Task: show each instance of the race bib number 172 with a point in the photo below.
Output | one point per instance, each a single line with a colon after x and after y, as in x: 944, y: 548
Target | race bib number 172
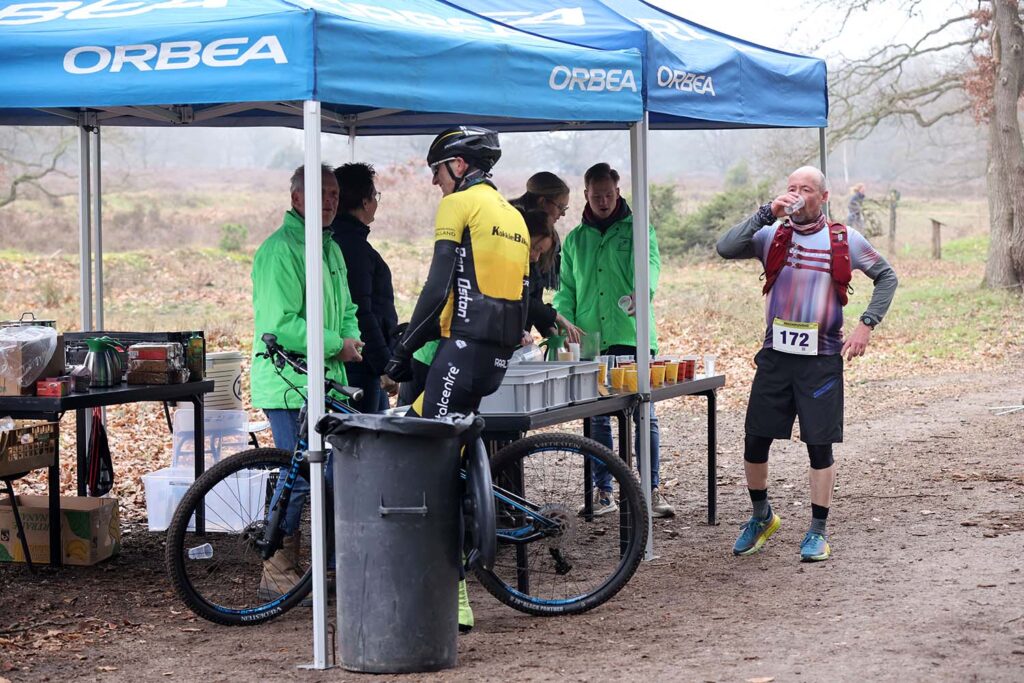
x: 797, y: 338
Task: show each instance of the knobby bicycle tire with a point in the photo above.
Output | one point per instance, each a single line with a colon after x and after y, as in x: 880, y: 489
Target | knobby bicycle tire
x: 581, y: 566
x: 234, y: 566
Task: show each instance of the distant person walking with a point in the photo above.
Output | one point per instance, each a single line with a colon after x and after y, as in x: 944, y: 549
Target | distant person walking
x: 855, y: 209
x: 808, y: 262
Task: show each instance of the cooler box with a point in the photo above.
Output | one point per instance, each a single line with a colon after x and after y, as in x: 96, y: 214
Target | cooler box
x: 231, y: 506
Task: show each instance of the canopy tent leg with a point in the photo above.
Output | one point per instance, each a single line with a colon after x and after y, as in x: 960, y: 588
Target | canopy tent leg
x: 315, y: 385
x: 84, y: 230
x: 823, y: 160
x: 97, y: 227
x: 638, y: 136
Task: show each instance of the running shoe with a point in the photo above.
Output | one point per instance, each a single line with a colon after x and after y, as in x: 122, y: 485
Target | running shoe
x: 754, y: 533
x: 604, y: 503
x: 815, y: 548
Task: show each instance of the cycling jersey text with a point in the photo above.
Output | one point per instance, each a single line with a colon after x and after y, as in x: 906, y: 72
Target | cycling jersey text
x: 514, y: 236
x: 447, y: 384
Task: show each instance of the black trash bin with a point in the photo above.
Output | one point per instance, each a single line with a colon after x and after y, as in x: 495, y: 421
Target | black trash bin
x: 397, y: 502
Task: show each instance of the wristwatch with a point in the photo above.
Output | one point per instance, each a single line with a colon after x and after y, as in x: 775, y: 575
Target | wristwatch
x: 868, y: 320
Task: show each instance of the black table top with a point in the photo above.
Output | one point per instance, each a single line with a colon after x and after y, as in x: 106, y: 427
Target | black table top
x: 28, y: 406
x: 615, y: 402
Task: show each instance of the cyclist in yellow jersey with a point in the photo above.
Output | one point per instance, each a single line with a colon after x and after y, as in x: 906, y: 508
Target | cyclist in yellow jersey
x: 474, y: 298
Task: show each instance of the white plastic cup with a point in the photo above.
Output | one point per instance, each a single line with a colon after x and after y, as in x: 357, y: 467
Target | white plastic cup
x: 574, y: 349
x: 709, y: 364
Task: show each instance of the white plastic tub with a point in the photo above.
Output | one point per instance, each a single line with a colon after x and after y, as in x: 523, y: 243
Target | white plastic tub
x: 230, y: 506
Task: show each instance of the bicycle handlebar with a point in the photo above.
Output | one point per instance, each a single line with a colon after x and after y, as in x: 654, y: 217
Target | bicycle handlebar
x: 280, y: 357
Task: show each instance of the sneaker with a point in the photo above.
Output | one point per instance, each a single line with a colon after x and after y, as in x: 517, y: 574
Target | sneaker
x: 815, y: 548
x: 659, y: 506
x: 754, y: 533
x: 604, y: 503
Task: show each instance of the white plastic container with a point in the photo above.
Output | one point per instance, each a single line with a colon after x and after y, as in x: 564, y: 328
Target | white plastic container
x: 225, y: 369
x: 232, y: 505
x: 521, y: 391
x: 556, y: 387
x: 225, y: 432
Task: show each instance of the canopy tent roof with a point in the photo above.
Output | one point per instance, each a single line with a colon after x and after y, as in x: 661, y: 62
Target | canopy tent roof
x: 694, y: 77
x: 393, y: 66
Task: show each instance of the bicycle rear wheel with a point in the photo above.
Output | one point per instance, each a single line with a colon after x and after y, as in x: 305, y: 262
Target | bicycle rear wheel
x: 554, y: 557
x: 218, y: 573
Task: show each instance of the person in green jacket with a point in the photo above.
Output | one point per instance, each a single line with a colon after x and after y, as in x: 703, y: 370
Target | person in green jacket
x: 279, y: 307
x: 597, y: 294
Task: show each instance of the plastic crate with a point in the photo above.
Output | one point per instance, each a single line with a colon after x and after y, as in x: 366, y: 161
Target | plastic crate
x: 31, y: 445
x: 521, y: 391
x: 231, y: 506
x: 225, y: 432
x: 557, y: 392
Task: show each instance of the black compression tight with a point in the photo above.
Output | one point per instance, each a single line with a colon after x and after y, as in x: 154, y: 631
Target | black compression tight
x: 755, y: 450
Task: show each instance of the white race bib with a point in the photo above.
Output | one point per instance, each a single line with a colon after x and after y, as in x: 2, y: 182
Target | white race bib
x: 797, y: 338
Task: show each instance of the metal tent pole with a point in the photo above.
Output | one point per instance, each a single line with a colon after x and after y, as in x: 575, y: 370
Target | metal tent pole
x: 315, y: 364
x: 823, y: 160
x: 84, y: 231
x: 97, y: 225
x: 638, y: 136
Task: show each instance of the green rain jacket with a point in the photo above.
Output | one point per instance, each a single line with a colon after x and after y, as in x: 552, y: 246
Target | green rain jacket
x: 596, y: 270
x: 279, y: 307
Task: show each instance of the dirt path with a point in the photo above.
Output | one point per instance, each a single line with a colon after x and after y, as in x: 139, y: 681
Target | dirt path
x: 926, y: 581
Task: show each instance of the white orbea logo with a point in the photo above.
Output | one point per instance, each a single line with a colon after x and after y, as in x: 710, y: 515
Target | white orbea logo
x: 591, y: 80
x: 180, y: 54
x: 685, y: 81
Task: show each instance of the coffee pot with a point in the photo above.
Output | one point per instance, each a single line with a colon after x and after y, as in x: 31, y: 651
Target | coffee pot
x: 103, y: 360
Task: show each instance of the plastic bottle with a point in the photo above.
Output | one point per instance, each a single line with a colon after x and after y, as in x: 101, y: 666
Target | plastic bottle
x: 201, y: 552
x: 194, y: 354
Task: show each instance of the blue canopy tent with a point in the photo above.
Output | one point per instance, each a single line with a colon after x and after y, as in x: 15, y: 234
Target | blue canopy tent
x: 694, y: 78
x: 395, y: 66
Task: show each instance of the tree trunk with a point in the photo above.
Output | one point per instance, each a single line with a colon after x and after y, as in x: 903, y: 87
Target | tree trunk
x: 1005, y: 267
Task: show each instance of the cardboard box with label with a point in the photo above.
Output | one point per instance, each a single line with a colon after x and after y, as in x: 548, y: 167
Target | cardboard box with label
x: 90, y: 529
x: 9, y: 385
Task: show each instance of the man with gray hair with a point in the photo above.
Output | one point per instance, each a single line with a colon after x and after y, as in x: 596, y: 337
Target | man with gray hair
x: 279, y: 307
x: 808, y: 263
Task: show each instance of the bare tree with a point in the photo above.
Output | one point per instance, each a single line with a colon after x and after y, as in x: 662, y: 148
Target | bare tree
x: 970, y: 61
x: 26, y: 158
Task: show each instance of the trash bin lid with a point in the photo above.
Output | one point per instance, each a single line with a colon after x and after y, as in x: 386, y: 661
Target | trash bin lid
x: 441, y: 428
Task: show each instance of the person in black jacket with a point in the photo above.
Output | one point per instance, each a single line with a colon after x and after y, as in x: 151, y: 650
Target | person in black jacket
x: 369, y: 282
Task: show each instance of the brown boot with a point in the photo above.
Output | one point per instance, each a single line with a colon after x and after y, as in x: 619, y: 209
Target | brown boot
x: 282, y: 571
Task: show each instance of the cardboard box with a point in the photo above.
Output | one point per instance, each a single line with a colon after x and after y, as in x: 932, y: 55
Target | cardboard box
x: 9, y: 386
x: 90, y: 529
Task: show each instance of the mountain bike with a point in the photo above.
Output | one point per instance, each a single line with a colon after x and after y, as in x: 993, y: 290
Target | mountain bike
x: 551, y: 554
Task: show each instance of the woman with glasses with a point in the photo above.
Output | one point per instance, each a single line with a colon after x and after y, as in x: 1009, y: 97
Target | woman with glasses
x: 548, y: 194
x: 369, y: 283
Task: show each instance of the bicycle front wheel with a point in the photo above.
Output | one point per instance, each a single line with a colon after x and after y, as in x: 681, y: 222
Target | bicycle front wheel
x: 555, y: 555
x: 219, y: 573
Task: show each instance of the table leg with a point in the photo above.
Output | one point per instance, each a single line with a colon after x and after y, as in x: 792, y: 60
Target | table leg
x: 53, y: 486
x: 522, y: 558
x: 712, y: 457
x: 200, y: 457
x: 625, y: 419
x: 82, y: 447
x: 588, y: 479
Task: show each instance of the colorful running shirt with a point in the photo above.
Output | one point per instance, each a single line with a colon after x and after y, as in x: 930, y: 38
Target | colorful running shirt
x: 492, y: 265
x: 807, y: 296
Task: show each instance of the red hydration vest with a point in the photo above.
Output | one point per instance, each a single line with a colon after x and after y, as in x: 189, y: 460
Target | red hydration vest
x: 838, y: 260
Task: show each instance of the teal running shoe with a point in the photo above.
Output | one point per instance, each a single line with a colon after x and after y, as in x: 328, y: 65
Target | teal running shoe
x: 815, y: 548
x: 754, y: 533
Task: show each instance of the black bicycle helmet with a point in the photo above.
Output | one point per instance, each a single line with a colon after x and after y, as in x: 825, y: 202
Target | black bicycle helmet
x: 478, y: 146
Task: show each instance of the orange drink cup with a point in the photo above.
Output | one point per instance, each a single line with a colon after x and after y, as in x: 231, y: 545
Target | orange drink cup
x: 602, y: 374
x: 657, y: 375
x: 617, y: 377
x: 671, y: 371
x: 630, y: 379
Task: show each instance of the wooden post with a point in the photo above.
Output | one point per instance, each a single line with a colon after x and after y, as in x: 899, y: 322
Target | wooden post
x: 936, y: 240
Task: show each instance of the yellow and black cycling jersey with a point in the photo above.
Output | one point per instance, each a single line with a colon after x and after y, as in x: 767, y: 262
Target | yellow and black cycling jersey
x: 476, y: 286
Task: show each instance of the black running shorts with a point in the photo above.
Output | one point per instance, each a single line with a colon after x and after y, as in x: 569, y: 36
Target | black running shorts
x: 786, y: 386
